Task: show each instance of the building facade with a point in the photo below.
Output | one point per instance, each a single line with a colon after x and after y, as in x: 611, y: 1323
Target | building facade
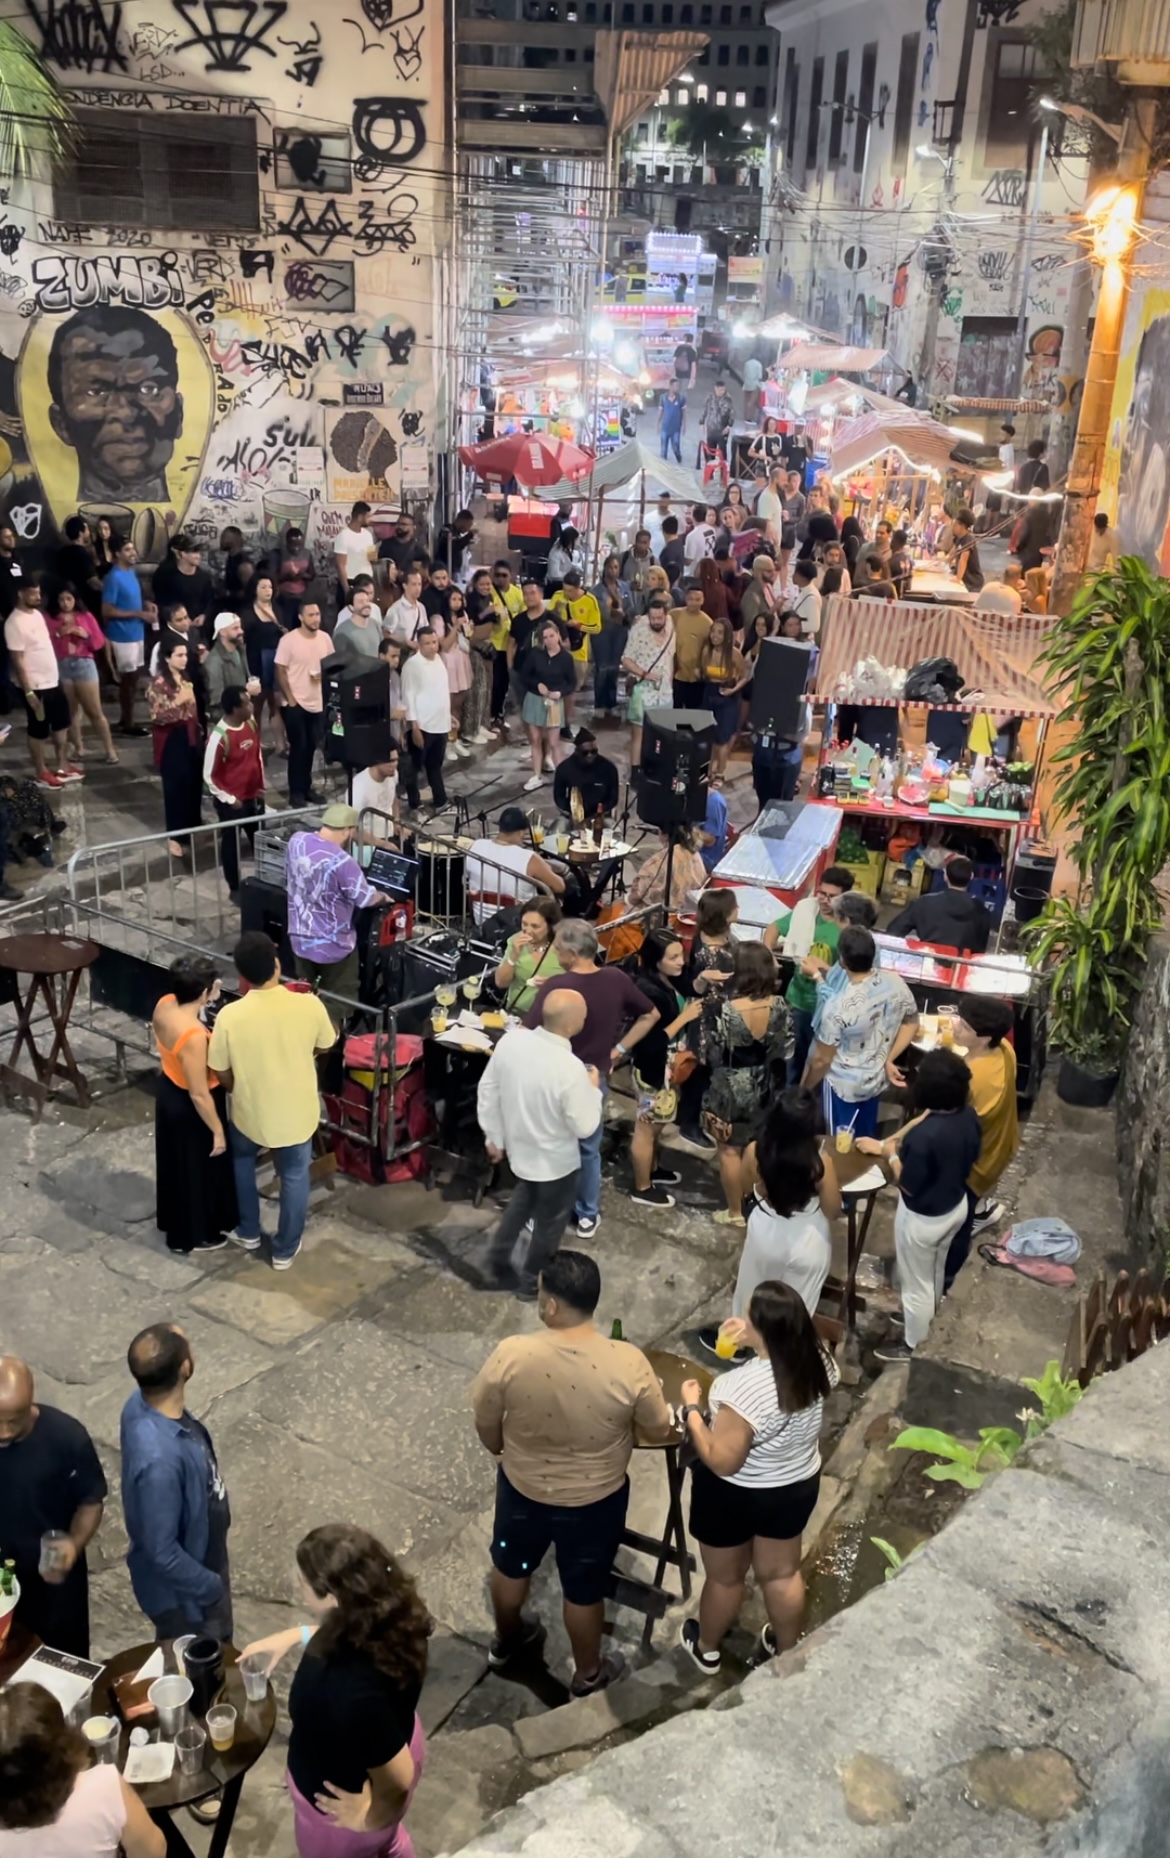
x: 222, y: 308
x: 914, y: 201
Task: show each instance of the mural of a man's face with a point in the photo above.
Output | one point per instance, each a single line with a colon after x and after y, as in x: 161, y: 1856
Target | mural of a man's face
x: 114, y: 382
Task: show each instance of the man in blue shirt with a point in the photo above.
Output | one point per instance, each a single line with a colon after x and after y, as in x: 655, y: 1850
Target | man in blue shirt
x: 173, y: 1497
x: 713, y: 832
x: 671, y: 413
x: 125, y: 615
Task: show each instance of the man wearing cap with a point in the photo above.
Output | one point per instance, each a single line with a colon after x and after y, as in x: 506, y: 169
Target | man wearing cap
x: 325, y: 887
x: 226, y: 664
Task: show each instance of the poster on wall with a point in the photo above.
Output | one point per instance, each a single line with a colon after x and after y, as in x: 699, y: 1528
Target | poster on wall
x: 1136, y: 477
x: 116, y: 404
x: 360, y: 455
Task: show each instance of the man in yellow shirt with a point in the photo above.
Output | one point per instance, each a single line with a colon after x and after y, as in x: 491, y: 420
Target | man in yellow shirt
x: 983, y: 1027
x: 507, y: 602
x: 577, y: 607
x: 264, y: 1049
x: 691, y: 626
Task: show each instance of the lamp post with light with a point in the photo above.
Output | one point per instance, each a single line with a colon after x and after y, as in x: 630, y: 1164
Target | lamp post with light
x: 1111, y: 217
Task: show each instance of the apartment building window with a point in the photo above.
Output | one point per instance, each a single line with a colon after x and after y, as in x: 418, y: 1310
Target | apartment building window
x: 741, y: 99
x: 1012, y: 73
x: 837, y: 113
x: 742, y: 54
x: 705, y: 55
x: 627, y: 16
x: 762, y: 54
x: 720, y: 99
x: 816, y: 97
x: 725, y: 16
x: 702, y: 93
x: 723, y: 55
x: 682, y: 98
x: 704, y: 16
x: 789, y: 92
x: 759, y: 98
x: 668, y: 16
x: 642, y: 134
x: 647, y: 15
x: 904, y: 103
x: 864, y: 103
x: 166, y: 174
x: 685, y: 15
x: 987, y: 357
x: 745, y: 15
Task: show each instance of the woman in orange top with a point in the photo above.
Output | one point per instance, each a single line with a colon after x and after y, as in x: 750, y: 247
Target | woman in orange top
x: 194, y: 1184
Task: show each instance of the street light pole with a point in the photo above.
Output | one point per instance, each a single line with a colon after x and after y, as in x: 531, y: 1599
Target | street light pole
x: 1112, y: 250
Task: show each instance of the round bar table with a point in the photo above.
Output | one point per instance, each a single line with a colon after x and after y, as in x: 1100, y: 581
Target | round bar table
x: 54, y: 965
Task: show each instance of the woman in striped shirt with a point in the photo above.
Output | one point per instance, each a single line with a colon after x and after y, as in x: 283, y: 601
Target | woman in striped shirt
x: 758, y: 1474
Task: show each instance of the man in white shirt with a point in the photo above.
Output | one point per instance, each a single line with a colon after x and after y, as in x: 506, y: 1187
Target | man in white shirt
x: 701, y: 540
x: 806, y: 597
x: 537, y: 1102
x: 426, y: 694
x: 654, y: 522
x: 33, y: 666
x: 354, y: 550
x: 405, y: 620
x: 1007, y: 451
x: 770, y: 504
x: 377, y: 787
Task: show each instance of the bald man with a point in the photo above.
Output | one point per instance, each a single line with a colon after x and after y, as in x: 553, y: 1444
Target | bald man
x: 537, y: 1102
x: 173, y: 1497
x: 51, y: 1480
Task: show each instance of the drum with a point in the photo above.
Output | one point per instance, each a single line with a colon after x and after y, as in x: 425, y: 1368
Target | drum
x: 442, y: 878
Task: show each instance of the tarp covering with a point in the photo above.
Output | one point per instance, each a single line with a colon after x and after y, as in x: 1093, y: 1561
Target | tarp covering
x: 922, y: 442
x: 997, y: 655
x: 631, y: 69
x: 623, y: 465
x: 846, y: 360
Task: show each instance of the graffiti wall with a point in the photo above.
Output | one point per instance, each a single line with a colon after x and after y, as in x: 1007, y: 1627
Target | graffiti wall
x: 203, y: 376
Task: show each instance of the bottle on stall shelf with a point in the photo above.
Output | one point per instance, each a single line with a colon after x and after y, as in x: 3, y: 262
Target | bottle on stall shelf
x: 615, y: 1334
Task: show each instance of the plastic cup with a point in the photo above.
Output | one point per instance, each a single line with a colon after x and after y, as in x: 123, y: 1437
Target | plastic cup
x: 103, y: 1734
x: 180, y: 1651
x: 843, y: 1141
x: 221, y: 1727
x: 190, y: 1747
x: 52, y: 1552
x: 170, y: 1697
x: 726, y: 1347
x: 254, y: 1672
x: 439, y: 1021
x: 562, y: 843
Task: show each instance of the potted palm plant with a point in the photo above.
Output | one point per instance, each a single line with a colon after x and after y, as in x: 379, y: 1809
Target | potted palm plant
x: 9, y: 1595
x: 1109, y: 662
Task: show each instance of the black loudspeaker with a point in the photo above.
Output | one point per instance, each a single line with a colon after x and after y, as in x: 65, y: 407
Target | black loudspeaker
x: 676, y: 760
x: 357, y: 712
x: 778, y: 686
x: 264, y: 907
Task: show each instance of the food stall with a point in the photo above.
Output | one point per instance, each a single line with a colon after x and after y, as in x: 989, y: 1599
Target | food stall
x: 610, y: 505
x: 889, y: 461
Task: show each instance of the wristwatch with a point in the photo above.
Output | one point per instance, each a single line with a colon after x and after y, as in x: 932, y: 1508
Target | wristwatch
x: 684, y: 1413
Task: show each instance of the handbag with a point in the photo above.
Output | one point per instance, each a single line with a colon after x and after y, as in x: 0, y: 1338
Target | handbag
x: 681, y: 1064
x: 554, y: 713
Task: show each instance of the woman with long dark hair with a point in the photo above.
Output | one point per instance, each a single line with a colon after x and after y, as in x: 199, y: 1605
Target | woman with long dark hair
x: 758, y: 1475
x: 263, y: 630
x: 725, y: 676
x: 794, y: 1198
x: 195, y: 1186
x: 658, y: 973
x: 177, y: 741
x: 356, y: 1748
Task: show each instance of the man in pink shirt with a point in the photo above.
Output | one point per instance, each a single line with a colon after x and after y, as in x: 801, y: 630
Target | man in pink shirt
x: 299, y: 657
x: 34, y: 669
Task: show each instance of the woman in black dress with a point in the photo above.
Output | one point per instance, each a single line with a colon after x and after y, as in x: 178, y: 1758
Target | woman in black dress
x: 356, y: 1748
x: 263, y: 631
x: 195, y: 1188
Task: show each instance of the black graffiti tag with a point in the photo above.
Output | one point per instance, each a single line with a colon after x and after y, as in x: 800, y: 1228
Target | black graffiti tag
x: 331, y: 284
x: 411, y: 425
x: 77, y: 35
x: 399, y: 346
x: 229, y: 30
x: 407, y: 55
x: 315, y: 232
x: 252, y: 263
x: 306, y: 65
x: 374, y: 235
x: 388, y: 132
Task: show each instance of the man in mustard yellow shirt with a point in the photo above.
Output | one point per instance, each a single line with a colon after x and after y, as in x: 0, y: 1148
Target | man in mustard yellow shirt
x: 577, y: 607
x: 691, y: 626
x: 264, y: 1049
x: 983, y: 1027
x: 507, y: 602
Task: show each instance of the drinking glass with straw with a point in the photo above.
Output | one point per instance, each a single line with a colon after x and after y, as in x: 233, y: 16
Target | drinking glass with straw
x: 843, y: 1139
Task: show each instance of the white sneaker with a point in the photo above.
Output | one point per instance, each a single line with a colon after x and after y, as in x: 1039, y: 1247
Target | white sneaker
x: 460, y: 751
x: 533, y: 782
x: 550, y: 767
x: 482, y: 736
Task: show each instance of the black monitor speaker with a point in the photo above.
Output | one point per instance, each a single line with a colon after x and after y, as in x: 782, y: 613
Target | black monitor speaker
x: 357, y: 712
x: 778, y: 686
x: 676, y: 761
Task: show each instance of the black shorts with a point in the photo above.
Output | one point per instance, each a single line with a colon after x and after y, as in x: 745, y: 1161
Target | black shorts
x: 55, y: 718
x: 726, y: 1515
x: 586, y: 1539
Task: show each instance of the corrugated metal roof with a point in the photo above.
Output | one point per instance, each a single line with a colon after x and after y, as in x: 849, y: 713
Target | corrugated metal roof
x: 631, y: 69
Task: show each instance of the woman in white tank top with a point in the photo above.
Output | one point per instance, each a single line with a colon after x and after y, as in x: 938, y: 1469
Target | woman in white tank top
x: 54, y: 1805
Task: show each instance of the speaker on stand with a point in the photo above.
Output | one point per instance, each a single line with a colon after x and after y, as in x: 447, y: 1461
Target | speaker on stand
x: 674, y: 774
x: 778, y: 687
x: 357, y: 712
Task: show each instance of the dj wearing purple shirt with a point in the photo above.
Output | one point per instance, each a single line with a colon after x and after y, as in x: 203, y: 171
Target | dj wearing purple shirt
x: 325, y: 887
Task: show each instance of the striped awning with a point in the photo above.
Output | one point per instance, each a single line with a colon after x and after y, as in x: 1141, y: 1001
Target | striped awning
x: 963, y: 403
x: 997, y: 655
x: 921, y: 441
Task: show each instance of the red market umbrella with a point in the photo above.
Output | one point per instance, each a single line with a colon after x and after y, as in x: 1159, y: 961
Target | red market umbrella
x: 532, y: 458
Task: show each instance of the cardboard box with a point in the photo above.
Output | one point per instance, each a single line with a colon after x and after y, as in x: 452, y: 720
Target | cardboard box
x: 902, y: 883
x: 866, y: 877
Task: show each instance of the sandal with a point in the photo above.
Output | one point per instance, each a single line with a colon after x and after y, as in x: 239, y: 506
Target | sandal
x: 113, y: 761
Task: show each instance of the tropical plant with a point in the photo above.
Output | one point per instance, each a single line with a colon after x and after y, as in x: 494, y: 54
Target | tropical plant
x: 894, y: 1556
x: 998, y: 1447
x: 35, y: 116
x: 1109, y: 661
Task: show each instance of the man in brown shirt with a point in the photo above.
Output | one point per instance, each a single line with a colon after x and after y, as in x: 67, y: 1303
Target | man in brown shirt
x: 691, y: 626
x: 561, y: 1411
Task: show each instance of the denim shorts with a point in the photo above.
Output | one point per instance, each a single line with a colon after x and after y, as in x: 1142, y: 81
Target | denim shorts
x: 586, y: 1537
x: 77, y: 671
